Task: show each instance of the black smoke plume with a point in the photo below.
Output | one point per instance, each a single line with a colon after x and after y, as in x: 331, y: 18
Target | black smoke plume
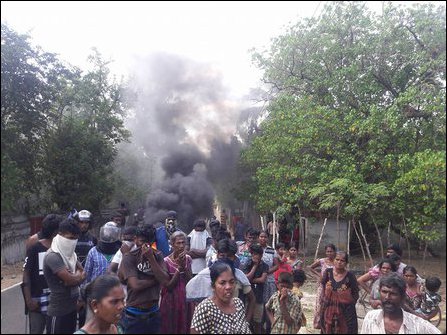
x: 183, y: 117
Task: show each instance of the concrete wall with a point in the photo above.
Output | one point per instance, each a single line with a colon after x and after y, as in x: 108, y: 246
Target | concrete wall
x: 15, y: 230
x: 330, y: 235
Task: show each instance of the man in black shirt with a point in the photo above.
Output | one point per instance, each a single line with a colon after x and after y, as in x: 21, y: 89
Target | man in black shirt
x: 35, y: 287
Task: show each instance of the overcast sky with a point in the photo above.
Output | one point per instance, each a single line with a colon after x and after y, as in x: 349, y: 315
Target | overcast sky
x: 220, y: 33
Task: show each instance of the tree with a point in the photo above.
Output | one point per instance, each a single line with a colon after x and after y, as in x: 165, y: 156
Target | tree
x: 29, y: 86
x: 81, y: 149
x: 353, y: 93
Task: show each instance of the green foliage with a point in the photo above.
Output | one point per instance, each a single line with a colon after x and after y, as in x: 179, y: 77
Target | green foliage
x: 421, y: 193
x: 354, y: 94
x: 28, y: 89
x: 60, y: 128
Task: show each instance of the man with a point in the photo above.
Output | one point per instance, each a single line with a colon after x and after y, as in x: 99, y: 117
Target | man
x: 86, y: 240
x: 35, y: 287
x: 171, y: 223
x: 100, y: 256
x: 124, y: 212
x: 64, y: 274
x: 392, y: 319
x: 197, y: 245
x: 143, y: 271
x: 128, y: 239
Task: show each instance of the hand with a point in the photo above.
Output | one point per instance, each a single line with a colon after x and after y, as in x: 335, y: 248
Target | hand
x: 125, y: 248
x: 81, y: 274
x: 181, y: 261
x: 283, y: 294
x: 33, y: 306
x: 375, y: 304
x: 147, y: 251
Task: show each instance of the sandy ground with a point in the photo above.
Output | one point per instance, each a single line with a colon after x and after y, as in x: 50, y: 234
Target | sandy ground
x: 12, y: 274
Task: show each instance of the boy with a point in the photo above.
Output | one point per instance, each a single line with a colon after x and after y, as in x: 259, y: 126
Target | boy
x: 256, y: 271
x: 284, y: 308
x: 430, y: 299
x: 299, y: 277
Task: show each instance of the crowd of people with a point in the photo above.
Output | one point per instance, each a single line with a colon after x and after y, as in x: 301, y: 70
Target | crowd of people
x: 150, y: 279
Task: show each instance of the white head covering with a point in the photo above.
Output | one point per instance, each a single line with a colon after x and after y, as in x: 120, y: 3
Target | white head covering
x: 66, y: 248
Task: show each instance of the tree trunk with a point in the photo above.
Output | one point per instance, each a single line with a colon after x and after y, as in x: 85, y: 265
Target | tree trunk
x: 378, y: 234
x: 360, y: 242
x: 408, y: 240
x: 338, y: 225
x: 349, y: 236
x: 319, y: 240
x: 423, y: 257
x: 366, y: 244
x: 388, y: 234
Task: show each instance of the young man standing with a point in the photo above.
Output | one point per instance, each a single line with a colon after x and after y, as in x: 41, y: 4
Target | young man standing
x: 63, y: 274
x: 143, y: 271
x: 35, y: 287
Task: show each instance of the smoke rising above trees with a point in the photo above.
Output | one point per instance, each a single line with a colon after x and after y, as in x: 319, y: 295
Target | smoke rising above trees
x: 184, y: 117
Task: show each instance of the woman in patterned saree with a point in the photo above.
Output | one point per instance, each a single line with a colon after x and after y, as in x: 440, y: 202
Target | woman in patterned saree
x: 338, y: 299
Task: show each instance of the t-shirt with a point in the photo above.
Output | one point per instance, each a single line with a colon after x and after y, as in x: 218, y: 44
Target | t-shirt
x: 85, y: 242
x: 63, y: 298
x: 131, y: 266
x: 38, y: 285
x: 258, y: 289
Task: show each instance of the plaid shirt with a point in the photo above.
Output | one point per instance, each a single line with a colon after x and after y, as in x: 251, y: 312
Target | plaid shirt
x: 95, y: 265
x: 279, y: 326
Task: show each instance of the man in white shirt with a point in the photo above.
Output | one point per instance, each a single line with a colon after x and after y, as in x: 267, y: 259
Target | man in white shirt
x: 197, y: 245
x: 392, y: 319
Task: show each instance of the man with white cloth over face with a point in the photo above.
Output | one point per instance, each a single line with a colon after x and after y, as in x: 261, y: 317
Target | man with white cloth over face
x: 199, y: 240
x: 64, y: 274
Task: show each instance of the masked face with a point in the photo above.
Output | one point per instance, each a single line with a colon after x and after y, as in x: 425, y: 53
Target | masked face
x: 170, y: 225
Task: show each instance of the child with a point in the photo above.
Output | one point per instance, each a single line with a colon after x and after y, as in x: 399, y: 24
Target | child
x: 284, y: 308
x: 430, y: 299
x: 256, y: 272
x: 299, y: 277
x: 283, y: 265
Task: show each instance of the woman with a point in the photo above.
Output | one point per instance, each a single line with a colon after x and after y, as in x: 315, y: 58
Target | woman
x: 104, y: 298
x: 323, y: 263
x: 220, y: 314
x: 175, y: 312
x: 413, y: 291
x: 292, y: 259
x: 338, y: 299
x: 385, y: 267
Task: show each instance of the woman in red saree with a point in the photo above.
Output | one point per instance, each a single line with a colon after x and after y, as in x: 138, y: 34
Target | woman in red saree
x: 340, y: 294
x: 175, y: 311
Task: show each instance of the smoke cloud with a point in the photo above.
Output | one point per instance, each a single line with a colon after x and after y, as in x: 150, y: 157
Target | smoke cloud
x: 184, y: 117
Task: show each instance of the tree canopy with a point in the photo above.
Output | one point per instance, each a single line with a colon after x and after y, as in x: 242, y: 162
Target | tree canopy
x: 357, y: 117
x: 60, y: 127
